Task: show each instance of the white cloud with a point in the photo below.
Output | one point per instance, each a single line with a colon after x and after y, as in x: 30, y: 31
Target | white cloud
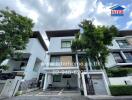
x: 102, y: 15
x: 128, y: 25
x: 61, y: 14
x: 130, y: 14
x: 77, y: 8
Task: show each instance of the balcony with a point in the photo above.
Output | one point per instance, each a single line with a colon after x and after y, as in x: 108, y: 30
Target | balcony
x: 21, y: 69
x: 126, y: 46
x: 62, y: 64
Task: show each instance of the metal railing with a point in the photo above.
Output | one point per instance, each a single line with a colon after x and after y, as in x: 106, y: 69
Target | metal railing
x: 62, y: 64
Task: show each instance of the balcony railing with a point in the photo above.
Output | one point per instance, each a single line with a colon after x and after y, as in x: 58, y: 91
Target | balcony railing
x: 19, y: 68
x: 62, y: 64
x: 125, y: 46
x: 128, y: 60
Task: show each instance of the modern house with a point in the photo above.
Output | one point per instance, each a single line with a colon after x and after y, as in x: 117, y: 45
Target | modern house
x: 64, y: 69
x: 59, y: 68
x: 27, y: 63
x: 121, y: 50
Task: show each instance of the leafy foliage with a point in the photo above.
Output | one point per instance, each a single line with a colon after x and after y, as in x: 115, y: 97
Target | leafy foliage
x: 5, y: 67
x: 15, y: 31
x: 94, y: 40
x: 116, y: 72
x: 120, y: 90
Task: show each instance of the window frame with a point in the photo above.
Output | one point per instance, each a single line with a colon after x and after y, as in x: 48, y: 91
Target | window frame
x: 118, y: 56
x: 123, y: 41
x: 66, y: 44
x: 57, y: 76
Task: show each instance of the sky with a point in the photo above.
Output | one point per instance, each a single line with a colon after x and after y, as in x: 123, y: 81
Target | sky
x: 67, y: 14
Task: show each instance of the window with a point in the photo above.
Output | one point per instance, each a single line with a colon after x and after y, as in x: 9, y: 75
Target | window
x: 128, y: 56
x: 66, y: 44
x: 118, y: 57
x: 122, y: 43
x: 57, y: 78
x: 55, y: 61
x: 36, y: 65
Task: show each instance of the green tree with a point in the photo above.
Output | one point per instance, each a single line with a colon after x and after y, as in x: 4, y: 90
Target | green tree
x: 15, y: 31
x: 94, y: 41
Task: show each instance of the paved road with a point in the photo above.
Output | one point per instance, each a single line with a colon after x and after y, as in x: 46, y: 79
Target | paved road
x: 48, y: 98
x: 62, y: 95
x: 67, y: 98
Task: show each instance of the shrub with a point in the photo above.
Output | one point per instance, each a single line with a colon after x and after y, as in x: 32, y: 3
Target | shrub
x: 118, y: 90
x: 5, y: 67
x: 118, y: 72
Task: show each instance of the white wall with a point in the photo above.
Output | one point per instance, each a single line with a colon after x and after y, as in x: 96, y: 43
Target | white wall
x: 120, y: 80
x: 55, y: 44
x: 110, y: 61
x: 36, y: 51
x: 73, y: 81
x: 114, y: 44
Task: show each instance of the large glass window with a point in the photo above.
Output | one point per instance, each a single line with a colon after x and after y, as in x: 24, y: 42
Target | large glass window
x: 55, y: 58
x: 57, y: 78
x: 55, y: 61
x: 122, y: 43
x: 118, y: 57
x: 128, y: 56
x: 66, y: 44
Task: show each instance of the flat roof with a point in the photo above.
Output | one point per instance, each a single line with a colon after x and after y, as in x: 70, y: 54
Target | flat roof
x: 61, y: 33
x: 36, y: 34
x: 125, y: 33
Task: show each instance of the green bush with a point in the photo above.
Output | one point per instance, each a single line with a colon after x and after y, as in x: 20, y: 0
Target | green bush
x: 5, y: 67
x: 118, y: 90
x: 117, y: 72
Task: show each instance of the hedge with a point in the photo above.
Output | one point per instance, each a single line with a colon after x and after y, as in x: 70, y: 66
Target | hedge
x: 118, y: 90
x: 117, y: 72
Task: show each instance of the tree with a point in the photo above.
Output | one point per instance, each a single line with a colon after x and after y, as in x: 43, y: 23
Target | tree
x: 94, y: 41
x: 15, y: 31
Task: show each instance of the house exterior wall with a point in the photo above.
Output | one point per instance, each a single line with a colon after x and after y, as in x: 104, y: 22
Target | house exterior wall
x: 72, y: 81
x: 55, y: 44
x: 36, y: 51
x: 120, y: 80
x: 114, y: 44
x: 116, y: 48
x: 110, y: 61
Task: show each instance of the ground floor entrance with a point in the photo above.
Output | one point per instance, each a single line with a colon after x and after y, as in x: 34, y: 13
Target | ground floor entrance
x: 64, y: 82
x: 95, y: 83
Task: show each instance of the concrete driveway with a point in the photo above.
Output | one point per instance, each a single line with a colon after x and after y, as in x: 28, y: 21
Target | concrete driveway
x: 67, y: 98
x: 63, y: 95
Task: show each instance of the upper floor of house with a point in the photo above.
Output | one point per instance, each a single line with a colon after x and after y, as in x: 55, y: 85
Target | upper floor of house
x: 30, y: 59
x: 60, y: 40
x: 123, y: 41
x: 121, y: 50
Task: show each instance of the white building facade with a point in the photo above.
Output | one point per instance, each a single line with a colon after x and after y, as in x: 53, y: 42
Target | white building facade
x: 27, y: 63
x: 63, y: 69
x: 121, y: 50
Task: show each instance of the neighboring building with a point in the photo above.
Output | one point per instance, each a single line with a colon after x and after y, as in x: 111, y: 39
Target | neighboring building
x: 30, y: 61
x: 24, y: 67
x: 121, y: 50
x: 65, y: 71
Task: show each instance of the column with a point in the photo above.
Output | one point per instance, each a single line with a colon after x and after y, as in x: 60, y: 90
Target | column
x: 79, y: 80
x: 45, y: 82
x: 90, y: 65
x: 124, y: 57
x: 77, y: 62
x: 29, y: 68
